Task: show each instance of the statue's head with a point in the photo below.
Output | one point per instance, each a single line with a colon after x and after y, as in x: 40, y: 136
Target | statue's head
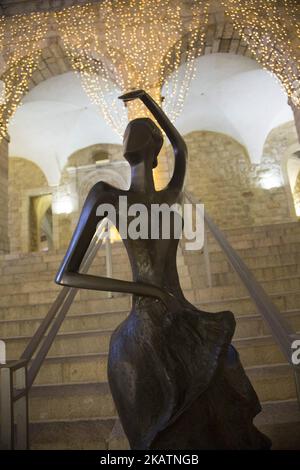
x: 142, y: 139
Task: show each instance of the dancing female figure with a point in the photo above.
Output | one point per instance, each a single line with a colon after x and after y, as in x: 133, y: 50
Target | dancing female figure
x: 176, y: 380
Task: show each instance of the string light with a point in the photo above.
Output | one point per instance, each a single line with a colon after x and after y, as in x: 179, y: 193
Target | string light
x: 20, y: 37
x: 130, y: 44
x: 119, y: 45
x: 268, y: 28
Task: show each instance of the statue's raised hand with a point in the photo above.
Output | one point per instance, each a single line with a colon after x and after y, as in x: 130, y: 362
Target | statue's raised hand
x: 133, y: 95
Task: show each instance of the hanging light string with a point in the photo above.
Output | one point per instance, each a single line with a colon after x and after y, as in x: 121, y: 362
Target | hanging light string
x: 187, y: 50
x: 80, y: 29
x: 121, y: 45
x: 267, y: 28
x: 21, y: 47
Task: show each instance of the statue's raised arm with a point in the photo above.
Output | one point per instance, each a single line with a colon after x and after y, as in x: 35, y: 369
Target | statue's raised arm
x: 177, y: 142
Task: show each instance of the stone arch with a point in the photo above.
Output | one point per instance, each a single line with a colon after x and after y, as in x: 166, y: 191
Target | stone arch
x: 110, y: 175
x: 220, y: 36
x: 290, y: 171
x: 280, y: 145
x: 25, y: 180
x: 232, y: 188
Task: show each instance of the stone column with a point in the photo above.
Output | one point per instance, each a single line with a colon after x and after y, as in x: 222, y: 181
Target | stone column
x: 296, y: 112
x: 4, y: 243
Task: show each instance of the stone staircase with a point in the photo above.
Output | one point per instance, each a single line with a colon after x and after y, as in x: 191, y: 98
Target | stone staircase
x: 70, y: 403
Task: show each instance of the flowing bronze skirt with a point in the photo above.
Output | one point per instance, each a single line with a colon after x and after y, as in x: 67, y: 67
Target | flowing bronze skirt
x: 178, y: 383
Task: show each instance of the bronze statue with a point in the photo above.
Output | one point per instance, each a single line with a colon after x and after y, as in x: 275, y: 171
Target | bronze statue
x: 176, y: 380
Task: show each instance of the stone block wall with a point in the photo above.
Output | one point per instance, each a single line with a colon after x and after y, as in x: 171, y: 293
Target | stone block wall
x: 4, y: 242
x: 235, y: 191
x: 24, y: 178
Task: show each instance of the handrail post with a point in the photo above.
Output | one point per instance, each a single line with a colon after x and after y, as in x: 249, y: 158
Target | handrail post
x: 21, y: 411
x: 13, y: 405
x: 7, y: 415
x: 297, y: 382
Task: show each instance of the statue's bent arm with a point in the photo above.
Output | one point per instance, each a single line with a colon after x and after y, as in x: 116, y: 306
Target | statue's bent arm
x: 179, y: 147
x: 68, y: 274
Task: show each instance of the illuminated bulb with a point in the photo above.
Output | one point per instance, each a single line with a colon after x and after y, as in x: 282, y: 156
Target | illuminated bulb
x: 271, y: 181
x: 62, y: 205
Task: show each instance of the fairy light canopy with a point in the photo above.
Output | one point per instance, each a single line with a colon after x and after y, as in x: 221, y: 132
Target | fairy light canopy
x: 134, y: 44
x: 125, y: 44
x: 271, y: 29
x: 232, y: 95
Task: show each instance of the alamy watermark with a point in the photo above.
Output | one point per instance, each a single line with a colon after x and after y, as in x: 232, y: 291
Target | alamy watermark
x: 296, y: 352
x: 157, y: 221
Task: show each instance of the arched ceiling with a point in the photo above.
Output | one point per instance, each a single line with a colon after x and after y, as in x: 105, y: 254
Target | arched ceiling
x: 56, y: 118
x: 233, y: 95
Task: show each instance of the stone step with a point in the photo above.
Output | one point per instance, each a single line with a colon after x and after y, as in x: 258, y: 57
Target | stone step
x: 245, y: 254
x: 223, y: 292
x: 72, y: 323
x: 229, y: 277
x: 254, y: 325
x: 279, y: 420
x: 219, y: 262
x: 93, y: 368
x: 259, y: 231
x: 273, y: 382
x: 259, y: 242
x: 76, y: 434
x: 116, y: 303
x: 80, y: 342
x: 253, y: 350
x: 243, y: 305
x: 280, y: 412
x: 222, y: 274
x: 35, y: 264
x: 73, y: 369
x: 256, y: 265
x: 246, y: 325
x: 71, y: 401
x: 17, y: 272
x: 88, y: 399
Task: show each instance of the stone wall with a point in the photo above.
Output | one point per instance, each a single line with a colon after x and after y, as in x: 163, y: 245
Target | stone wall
x: 235, y: 191
x: 296, y: 194
x: 25, y: 179
x: 4, y: 242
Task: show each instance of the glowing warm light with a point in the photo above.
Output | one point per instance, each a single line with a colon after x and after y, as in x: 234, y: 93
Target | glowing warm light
x: 133, y: 44
x: 20, y: 43
x: 271, y: 30
x: 271, y: 181
x: 130, y: 44
x: 2, y: 92
x: 63, y: 204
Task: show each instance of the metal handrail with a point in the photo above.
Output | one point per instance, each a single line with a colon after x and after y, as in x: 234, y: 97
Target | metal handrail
x: 280, y: 328
x: 15, y: 394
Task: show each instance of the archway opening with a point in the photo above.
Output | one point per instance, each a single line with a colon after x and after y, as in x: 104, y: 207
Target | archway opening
x: 41, y: 225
